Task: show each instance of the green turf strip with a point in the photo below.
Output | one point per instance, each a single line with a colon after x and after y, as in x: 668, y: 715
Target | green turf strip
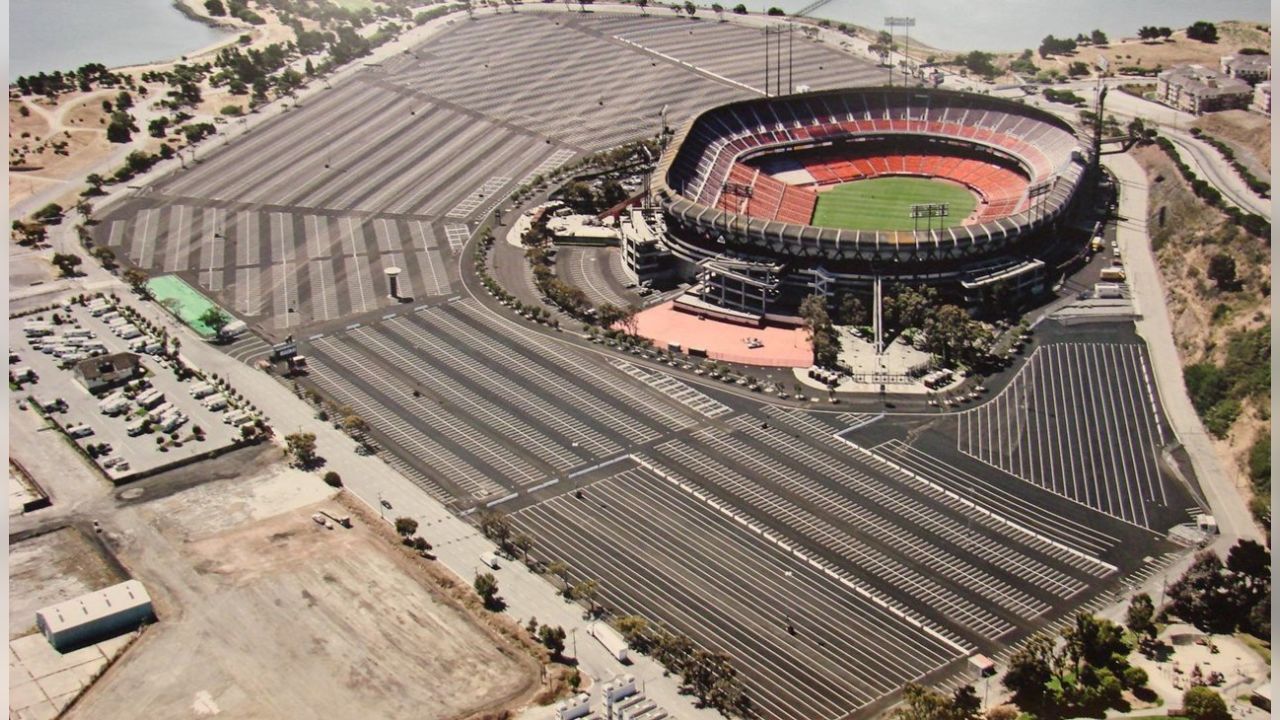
x: 885, y: 203
x: 185, y: 301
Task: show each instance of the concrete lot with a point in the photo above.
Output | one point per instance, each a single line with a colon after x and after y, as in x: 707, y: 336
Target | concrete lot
x: 43, y: 681
x: 141, y: 452
x: 264, y: 613
x: 53, y: 567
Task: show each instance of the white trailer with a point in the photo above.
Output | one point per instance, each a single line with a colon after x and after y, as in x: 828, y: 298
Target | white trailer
x: 610, y: 639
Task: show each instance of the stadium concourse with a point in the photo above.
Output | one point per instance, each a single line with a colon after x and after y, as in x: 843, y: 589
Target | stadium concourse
x: 878, y: 549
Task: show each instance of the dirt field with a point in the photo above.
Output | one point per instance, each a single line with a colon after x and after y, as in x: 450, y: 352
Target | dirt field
x: 1245, y: 130
x: 50, y: 568
x: 1178, y: 50
x: 266, y: 614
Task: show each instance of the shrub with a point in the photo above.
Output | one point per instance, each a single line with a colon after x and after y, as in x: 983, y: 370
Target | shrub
x: 333, y: 479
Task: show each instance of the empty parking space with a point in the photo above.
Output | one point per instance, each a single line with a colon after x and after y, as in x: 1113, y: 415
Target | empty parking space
x: 687, y: 572
x: 675, y: 389
x: 1080, y: 420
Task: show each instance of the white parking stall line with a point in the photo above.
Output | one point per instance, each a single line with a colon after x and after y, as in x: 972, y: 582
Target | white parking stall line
x: 456, y: 235
x: 413, y: 438
x: 116, y: 237
x: 354, y: 245
x: 423, y: 238
x: 326, y: 304
x: 469, y: 204
x: 675, y: 389
x: 284, y: 289
x: 485, y: 412
x: 555, y: 385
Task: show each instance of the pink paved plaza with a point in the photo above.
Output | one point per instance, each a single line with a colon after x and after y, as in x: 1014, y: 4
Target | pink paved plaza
x: 782, y: 347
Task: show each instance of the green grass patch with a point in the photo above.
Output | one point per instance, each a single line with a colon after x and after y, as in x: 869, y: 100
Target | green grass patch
x: 182, y: 300
x: 885, y: 203
x: 353, y: 5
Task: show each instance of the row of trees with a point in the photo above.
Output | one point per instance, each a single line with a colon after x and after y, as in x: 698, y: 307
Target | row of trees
x: 708, y: 676
x: 949, y: 332
x: 1086, y: 674
x: 1150, y: 32
x: 85, y: 79
x: 1253, y: 223
x: 1226, y: 597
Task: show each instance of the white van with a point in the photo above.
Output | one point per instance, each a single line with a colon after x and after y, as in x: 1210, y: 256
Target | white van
x: 135, y: 427
x: 215, y: 403
x: 201, y: 390
x: 159, y: 411
x: 129, y: 332
x: 172, y: 421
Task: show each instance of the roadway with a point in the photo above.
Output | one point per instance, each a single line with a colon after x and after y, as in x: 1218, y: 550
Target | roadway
x: 1154, y: 325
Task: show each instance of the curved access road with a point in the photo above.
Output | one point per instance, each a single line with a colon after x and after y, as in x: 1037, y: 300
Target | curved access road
x: 1216, y: 479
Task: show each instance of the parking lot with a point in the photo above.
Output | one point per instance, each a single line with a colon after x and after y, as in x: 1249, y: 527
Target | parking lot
x: 81, y: 414
x: 664, y: 553
x: 481, y: 412
x: 391, y: 166
x: 1082, y: 420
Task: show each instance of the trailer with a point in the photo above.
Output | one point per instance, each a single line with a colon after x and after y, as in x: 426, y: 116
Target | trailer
x: 610, y: 639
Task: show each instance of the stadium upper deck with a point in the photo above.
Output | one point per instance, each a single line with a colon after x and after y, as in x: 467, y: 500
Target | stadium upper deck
x: 898, y: 131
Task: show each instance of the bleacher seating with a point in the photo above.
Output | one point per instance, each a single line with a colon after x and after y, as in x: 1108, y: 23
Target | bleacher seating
x: 710, y: 153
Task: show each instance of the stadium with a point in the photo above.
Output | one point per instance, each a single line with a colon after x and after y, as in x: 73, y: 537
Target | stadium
x: 767, y: 200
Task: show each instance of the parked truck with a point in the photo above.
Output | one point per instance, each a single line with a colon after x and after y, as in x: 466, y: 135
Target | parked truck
x: 610, y: 639
x: 1113, y: 274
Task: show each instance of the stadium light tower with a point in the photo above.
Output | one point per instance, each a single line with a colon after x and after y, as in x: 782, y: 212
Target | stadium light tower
x: 902, y: 22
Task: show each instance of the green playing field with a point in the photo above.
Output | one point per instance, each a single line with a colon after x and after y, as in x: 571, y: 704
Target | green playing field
x: 885, y: 203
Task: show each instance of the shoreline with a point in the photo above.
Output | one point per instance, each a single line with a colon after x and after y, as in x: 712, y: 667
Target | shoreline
x: 233, y: 29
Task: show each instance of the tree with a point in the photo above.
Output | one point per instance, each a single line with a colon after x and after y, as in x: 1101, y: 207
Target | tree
x: 635, y: 630
x: 302, y: 446
x: 120, y: 129
x: 355, y: 425
x: 553, y: 639
x: 587, y: 590
x: 215, y: 319
x: 1030, y: 670
x: 137, y: 279
x: 559, y: 570
x: 1097, y: 37
x: 1206, y: 385
x: 1139, y: 618
x: 1205, y: 32
x: 826, y: 343
x: 1202, y: 703
x: 524, y: 543
x: 1222, y: 271
x: 1078, y: 69
x: 49, y: 214
x: 739, y: 9
x: 921, y: 703
x: 850, y: 310
x: 333, y: 479
x: 486, y: 587
x: 104, y: 255
x: 775, y: 12
x: 215, y: 8
x: 690, y: 8
x: 496, y: 525
x: 1203, y: 596
x: 67, y: 263
x: 406, y: 526
x: 95, y: 182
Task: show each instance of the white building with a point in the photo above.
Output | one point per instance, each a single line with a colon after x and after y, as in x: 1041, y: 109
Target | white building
x: 1249, y: 68
x: 1198, y: 89
x: 1262, y: 98
x: 95, y: 616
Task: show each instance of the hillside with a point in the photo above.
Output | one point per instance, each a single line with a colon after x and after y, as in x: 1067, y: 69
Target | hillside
x: 1222, y: 329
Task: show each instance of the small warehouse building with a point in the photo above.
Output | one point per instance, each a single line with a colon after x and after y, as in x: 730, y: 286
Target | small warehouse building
x: 96, y: 616
x: 107, y: 370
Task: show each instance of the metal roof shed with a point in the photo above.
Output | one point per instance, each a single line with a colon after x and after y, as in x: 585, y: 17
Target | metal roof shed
x: 95, y: 616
